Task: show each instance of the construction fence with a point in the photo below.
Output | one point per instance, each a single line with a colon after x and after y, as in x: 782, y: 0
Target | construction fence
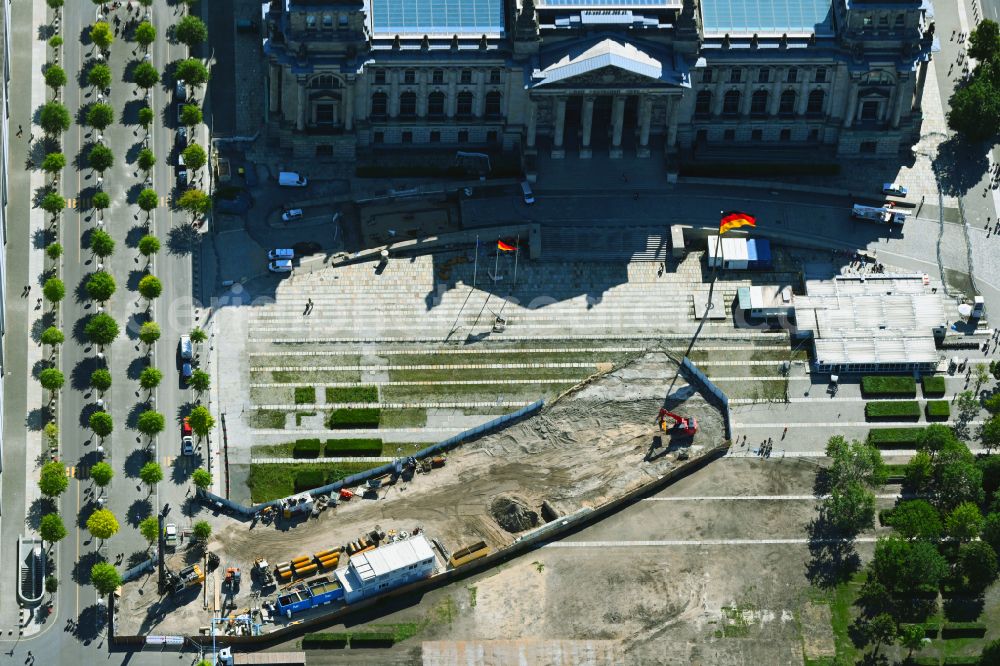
x: 713, y: 392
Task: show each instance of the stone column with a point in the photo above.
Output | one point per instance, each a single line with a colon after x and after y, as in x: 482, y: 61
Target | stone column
x: 393, y: 93
x: 673, y: 105
x: 775, y: 101
x: 921, y: 80
x: 645, y: 115
x: 452, y: 101
x: 421, y: 93
x: 363, y: 98
x: 479, y: 104
x: 852, y: 102
x: 274, y: 89
x: 349, y: 106
x: 617, y: 122
x: 300, y: 117
x: 557, y: 140
x: 587, y: 121
x: 746, y: 96
x: 532, y: 123
x: 803, y: 99
x: 718, y: 96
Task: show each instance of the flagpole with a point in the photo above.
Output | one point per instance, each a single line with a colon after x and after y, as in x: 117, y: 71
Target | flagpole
x: 496, y: 263
x: 475, y: 265
x: 517, y: 253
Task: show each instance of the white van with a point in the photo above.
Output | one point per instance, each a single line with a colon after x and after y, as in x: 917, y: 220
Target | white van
x: 529, y: 196
x: 281, y: 253
x: 291, y: 179
x: 186, y: 349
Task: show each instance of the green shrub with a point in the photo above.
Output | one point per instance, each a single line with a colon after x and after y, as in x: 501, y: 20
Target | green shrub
x: 885, y: 517
x: 963, y: 630
x: 896, y: 472
x: 961, y: 661
x: 938, y: 410
x: 933, y: 386
x: 930, y: 629
x: 889, y: 385
x: 329, y: 639
x: 308, y: 479
x: 353, y: 447
x: 352, y: 394
x: 372, y: 639
x: 305, y: 395
x: 894, y: 437
x: 901, y: 409
x: 307, y: 448
x: 355, y: 418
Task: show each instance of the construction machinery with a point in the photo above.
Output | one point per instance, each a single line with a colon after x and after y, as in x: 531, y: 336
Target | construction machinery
x: 263, y: 572
x: 681, y: 426
x: 233, y: 577
x: 186, y: 578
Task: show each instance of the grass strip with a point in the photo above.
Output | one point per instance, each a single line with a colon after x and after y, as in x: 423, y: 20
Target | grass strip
x: 353, y: 447
x: 352, y: 394
x: 270, y: 419
x: 271, y: 481
x: 305, y: 395
x: 403, y: 418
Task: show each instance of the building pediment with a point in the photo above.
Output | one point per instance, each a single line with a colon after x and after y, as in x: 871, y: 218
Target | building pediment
x: 607, y: 64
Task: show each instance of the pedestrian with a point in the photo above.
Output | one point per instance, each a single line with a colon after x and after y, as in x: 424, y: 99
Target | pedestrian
x: 784, y: 432
x: 20, y: 130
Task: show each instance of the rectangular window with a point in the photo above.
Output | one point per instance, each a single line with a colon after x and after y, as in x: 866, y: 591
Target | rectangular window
x: 327, y: 20
x: 868, y: 147
x: 900, y: 20
x: 463, y: 136
x: 378, y: 137
x: 310, y: 21
x: 729, y: 135
x: 437, y: 77
x: 814, y: 135
x: 821, y: 75
x: 701, y: 136
x: 756, y: 135
x: 494, y: 76
x: 867, y: 22
x: 324, y: 114
x: 763, y: 75
x: 869, y: 111
x: 706, y: 75
x: 786, y: 134
x: 342, y: 20
x: 380, y: 76
x: 466, y: 76
x: 883, y: 21
x: 735, y: 75
x: 793, y: 75
x: 492, y: 136
x: 407, y: 137
x: 435, y: 136
x: 409, y: 77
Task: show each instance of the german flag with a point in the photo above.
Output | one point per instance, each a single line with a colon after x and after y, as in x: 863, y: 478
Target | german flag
x: 505, y: 246
x: 735, y: 219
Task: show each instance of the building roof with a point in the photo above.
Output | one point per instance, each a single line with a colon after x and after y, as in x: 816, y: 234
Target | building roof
x: 610, y: 4
x: 765, y: 296
x: 391, y: 557
x: 603, y: 54
x: 436, y: 17
x: 876, y: 351
x: 767, y: 18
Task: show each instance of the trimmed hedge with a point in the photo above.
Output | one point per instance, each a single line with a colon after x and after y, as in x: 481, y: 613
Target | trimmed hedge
x: 900, y: 385
x: 355, y: 418
x: 893, y: 437
x: 308, y: 479
x: 353, y: 447
x: 896, y: 472
x: 307, y: 448
x: 963, y: 630
x: 933, y: 386
x: 352, y: 394
x: 888, y: 409
x: 930, y: 629
x: 938, y: 410
x: 328, y: 639
x: 305, y: 395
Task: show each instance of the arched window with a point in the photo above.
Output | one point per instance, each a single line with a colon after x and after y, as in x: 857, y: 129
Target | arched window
x: 323, y: 81
x: 815, y: 103
x: 731, y: 103
x: 380, y: 105
x: 703, y: 103
x: 465, y: 103
x: 758, y: 103
x: 435, y: 104
x: 493, y: 104
x: 408, y: 104
x: 786, y: 107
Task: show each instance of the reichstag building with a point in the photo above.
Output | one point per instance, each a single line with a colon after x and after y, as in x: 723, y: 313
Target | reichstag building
x: 575, y: 78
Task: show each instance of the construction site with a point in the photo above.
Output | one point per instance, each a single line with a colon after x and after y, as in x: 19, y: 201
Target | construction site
x: 593, y: 444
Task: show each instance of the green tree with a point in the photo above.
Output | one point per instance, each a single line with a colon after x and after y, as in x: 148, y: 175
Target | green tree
x: 191, y: 30
x: 200, y: 381
x: 149, y: 332
x: 101, y: 286
x: 964, y: 522
x: 52, y: 336
x: 856, y: 461
x: 145, y: 75
x: 148, y: 199
x: 54, y: 118
x: 192, y: 72
x: 51, y: 528
x: 916, y: 519
x: 105, y: 578
x: 146, y: 117
x: 102, y: 424
x: 919, y: 472
x: 194, y: 156
x: 150, y: 378
x: 984, y: 41
x: 975, y: 109
x: 54, y: 251
x: 101, y: 243
x: 99, y: 76
x: 151, y: 473
x: 905, y: 567
x: 145, y: 34
x: 55, y: 77
x: 201, y: 478
x: 102, y: 524
x: 100, y: 379
x: 991, y: 654
x: 51, y: 379
x: 202, y: 530
x: 101, y: 474
x: 100, y: 115
x: 957, y: 479
x: 53, y: 203
x: 977, y: 563
x: 51, y: 584
x: 190, y: 115
x: 149, y: 245
x: 54, y: 290
x: 52, y: 480
x: 911, y: 636
x: 881, y: 630
x: 54, y: 4
x: 101, y: 201
x: 150, y: 423
x: 102, y: 36
x: 54, y: 163
x: 850, y: 507
x: 147, y: 160
x: 198, y: 335
x: 150, y: 287
x: 51, y: 432
x: 990, y: 433
x: 992, y: 403
x: 102, y: 329
x: 195, y: 202
x: 100, y: 158
x: 55, y: 41
x: 201, y: 421
x: 149, y: 528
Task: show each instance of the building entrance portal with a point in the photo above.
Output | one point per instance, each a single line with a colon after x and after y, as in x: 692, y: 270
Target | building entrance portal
x: 602, y: 122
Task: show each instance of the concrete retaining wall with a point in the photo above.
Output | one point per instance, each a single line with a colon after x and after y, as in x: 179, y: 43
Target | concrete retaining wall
x: 714, y: 393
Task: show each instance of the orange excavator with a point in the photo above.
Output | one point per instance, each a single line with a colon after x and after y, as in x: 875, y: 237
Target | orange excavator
x: 682, y: 426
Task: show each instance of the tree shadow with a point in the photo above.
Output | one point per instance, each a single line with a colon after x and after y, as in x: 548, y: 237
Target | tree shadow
x: 133, y: 237
x: 138, y: 511
x: 182, y: 239
x: 82, y: 567
x: 87, y: 411
x: 37, y: 418
x: 39, y: 365
x: 959, y: 165
x: 80, y: 375
x: 136, y: 366
x: 90, y: 622
x: 136, y: 558
x: 834, y: 558
x: 80, y: 332
x: 134, y: 324
x: 132, y: 154
x: 133, y: 414
x: 134, y: 462
x: 133, y: 279
x: 130, y: 113
x: 38, y: 508
x: 180, y: 469
x: 39, y: 325
x: 40, y: 238
x: 964, y: 608
x: 191, y: 507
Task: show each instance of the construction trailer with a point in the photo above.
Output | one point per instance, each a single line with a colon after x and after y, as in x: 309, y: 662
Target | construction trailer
x: 303, y: 596
x: 766, y: 301
x: 228, y: 658
x: 728, y: 254
x: 386, y: 567
x: 759, y: 254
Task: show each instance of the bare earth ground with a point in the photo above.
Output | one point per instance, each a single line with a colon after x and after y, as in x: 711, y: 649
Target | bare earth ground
x: 586, y: 448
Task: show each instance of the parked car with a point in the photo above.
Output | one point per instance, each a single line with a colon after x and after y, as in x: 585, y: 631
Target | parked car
x: 170, y: 539
x: 186, y: 371
x: 281, y: 253
x: 527, y: 193
x: 186, y: 430
x: 181, y: 137
x: 291, y: 179
x: 182, y: 177
x: 187, y: 446
x: 185, y: 347
x: 293, y: 214
x: 894, y: 189
x: 280, y: 266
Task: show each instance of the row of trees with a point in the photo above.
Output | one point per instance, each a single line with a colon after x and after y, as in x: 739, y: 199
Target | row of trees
x: 975, y: 105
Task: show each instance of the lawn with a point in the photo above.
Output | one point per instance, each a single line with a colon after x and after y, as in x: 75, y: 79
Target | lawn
x: 472, y: 392
x: 273, y: 481
x: 270, y: 419
x: 403, y: 418
x: 351, y: 394
x: 572, y: 374
x: 901, y: 385
x: 306, y: 377
x: 305, y: 395
x: 887, y: 409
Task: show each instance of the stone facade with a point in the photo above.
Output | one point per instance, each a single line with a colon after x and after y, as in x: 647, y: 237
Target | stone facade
x: 575, y: 81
